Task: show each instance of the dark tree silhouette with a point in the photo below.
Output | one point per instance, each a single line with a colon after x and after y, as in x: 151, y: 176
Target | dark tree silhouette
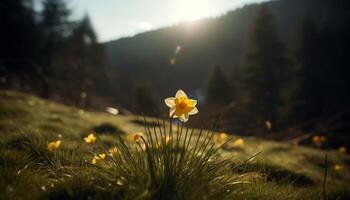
x: 19, y: 36
x: 264, y: 67
x: 309, y: 74
x: 81, y: 62
x: 55, y: 27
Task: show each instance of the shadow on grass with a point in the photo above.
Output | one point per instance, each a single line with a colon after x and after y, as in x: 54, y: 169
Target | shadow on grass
x: 339, y: 194
x: 279, y: 149
x: 7, y: 112
x: 84, y: 188
x: 277, y: 174
x: 107, y: 128
x: 143, y: 123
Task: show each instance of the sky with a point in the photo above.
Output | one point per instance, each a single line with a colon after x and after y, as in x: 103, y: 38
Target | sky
x: 113, y: 19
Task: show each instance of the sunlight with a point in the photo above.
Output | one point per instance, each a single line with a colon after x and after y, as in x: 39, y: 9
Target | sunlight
x: 192, y: 10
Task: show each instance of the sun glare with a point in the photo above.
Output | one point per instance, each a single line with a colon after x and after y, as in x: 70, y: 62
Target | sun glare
x: 192, y: 10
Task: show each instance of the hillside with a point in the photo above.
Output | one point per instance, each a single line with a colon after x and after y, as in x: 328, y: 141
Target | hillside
x: 209, y: 42
x: 28, y: 123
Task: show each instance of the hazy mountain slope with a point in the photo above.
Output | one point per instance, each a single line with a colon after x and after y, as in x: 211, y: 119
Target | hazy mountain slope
x: 209, y: 42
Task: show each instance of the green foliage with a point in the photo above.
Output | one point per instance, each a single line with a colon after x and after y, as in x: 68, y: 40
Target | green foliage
x: 167, y: 163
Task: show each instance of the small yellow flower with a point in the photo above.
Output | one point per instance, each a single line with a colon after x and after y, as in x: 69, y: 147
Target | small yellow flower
x: 113, y: 151
x: 220, y: 138
x: 223, y: 136
x: 90, y: 139
x: 136, y: 137
x: 342, y: 149
x: 143, y: 147
x: 54, y: 145
x: 238, y: 143
x: 318, y: 140
x: 181, y: 106
x: 338, y: 167
x: 98, y: 158
x: 167, y: 140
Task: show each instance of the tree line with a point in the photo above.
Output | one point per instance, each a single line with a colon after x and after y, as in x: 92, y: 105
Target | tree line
x: 304, y: 85
x: 47, y: 53
x: 276, y: 85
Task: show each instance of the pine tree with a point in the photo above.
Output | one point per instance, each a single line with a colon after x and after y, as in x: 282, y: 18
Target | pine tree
x: 264, y: 67
x: 19, y: 38
x: 309, y: 97
x: 219, y: 91
x: 55, y: 26
x: 83, y: 62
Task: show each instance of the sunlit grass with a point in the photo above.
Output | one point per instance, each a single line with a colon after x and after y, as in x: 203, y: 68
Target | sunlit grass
x: 168, y: 164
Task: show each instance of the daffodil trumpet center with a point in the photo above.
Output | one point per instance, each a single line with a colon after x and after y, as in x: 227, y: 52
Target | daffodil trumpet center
x: 183, y: 105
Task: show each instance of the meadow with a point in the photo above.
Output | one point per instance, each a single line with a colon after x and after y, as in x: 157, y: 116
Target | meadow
x: 131, y: 157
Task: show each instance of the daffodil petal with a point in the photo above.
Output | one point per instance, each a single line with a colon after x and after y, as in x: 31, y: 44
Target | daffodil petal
x: 194, y: 102
x: 182, y: 118
x: 185, y: 117
x: 180, y: 93
x: 169, y: 101
x: 172, y: 111
x: 193, y: 111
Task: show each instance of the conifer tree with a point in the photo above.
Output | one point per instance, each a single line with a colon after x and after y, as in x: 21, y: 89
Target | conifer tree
x: 309, y: 75
x: 55, y: 27
x: 83, y: 62
x: 19, y: 36
x: 264, y: 66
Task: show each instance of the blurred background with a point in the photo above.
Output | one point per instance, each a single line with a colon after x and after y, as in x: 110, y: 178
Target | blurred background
x: 275, y: 69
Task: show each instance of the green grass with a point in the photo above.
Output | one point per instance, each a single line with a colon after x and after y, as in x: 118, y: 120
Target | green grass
x: 28, y: 170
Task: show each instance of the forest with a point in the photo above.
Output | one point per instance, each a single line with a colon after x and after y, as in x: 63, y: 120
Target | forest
x: 251, y: 104
x: 262, y: 63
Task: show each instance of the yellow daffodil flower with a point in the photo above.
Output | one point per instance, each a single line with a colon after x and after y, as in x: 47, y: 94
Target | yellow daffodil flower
x: 167, y: 140
x: 181, y: 106
x: 223, y: 136
x: 318, y: 140
x: 137, y: 136
x: 98, y: 158
x: 220, y: 138
x: 54, y: 145
x: 143, y: 147
x: 238, y: 143
x: 342, y: 149
x: 90, y: 139
x: 338, y: 167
